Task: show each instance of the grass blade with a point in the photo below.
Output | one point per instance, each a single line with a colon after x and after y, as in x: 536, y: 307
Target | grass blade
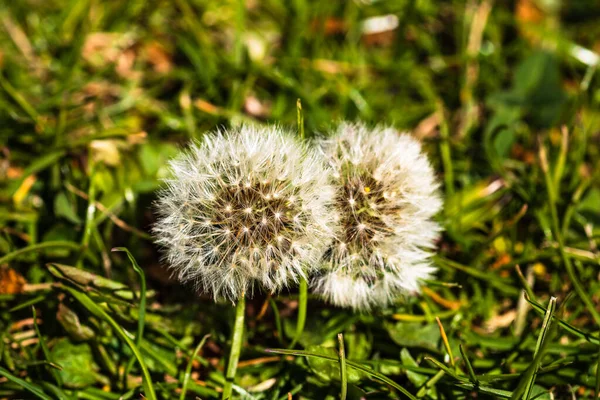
x: 44, y: 347
x: 565, y: 325
x: 35, y: 389
x: 35, y: 167
x: 100, y: 313
x: 142, y: 306
x: 39, y: 246
x: 494, y: 280
x: 468, y: 365
x: 525, y: 385
x: 552, y: 190
x: 447, y: 370
x: 497, y: 393
x: 352, y: 364
x: 430, y: 383
x: 445, y: 340
x: 188, y: 368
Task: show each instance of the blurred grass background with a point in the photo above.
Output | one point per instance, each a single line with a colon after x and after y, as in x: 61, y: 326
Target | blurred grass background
x: 95, y: 96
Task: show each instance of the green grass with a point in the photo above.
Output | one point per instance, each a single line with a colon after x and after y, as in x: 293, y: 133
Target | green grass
x: 95, y: 96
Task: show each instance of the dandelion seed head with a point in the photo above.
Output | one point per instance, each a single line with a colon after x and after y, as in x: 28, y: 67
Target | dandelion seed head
x: 225, y: 221
x: 386, y: 197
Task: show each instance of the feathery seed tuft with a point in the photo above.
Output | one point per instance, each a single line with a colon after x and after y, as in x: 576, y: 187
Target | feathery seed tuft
x: 386, y: 197
x: 243, y: 207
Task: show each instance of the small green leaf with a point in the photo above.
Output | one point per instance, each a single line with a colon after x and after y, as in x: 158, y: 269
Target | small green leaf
x: 539, y: 393
x: 588, y: 206
x: 77, y: 363
x: 416, y: 378
x: 70, y: 322
x: 64, y: 208
x: 536, y: 90
x: 352, y: 364
x: 358, y: 345
x: 87, y: 279
x: 329, y: 371
x: 97, y: 311
x: 503, y: 142
x: 318, y: 330
x: 414, y: 334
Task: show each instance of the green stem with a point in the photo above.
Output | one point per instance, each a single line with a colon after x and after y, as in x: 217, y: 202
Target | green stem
x: 597, y: 387
x: 188, y: 369
x: 40, y: 246
x: 557, y: 232
x: 343, y: 373
x: 89, y: 218
x: 430, y: 383
x: 278, y: 326
x: 240, y: 25
x: 141, y: 312
x: 21, y: 101
x: 302, y: 301
x: 446, y: 153
x: 470, y: 370
x: 31, y: 387
x: 300, y: 118
x: 236, y: 347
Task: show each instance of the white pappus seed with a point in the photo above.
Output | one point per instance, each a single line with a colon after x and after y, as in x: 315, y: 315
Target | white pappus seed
x: 226, y: 216
x: 387, y: 194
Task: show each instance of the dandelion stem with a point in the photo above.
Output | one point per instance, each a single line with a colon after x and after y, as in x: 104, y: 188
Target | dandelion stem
x: 343, y: 376
x: 302, y: 301
x: 90, y: 213
x: 300, y: 118
x: 236, y: 347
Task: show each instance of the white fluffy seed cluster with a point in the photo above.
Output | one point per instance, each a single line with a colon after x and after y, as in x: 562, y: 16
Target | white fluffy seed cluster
x: 255, y: 207
x: 246, y: 207
x: 386, y: 197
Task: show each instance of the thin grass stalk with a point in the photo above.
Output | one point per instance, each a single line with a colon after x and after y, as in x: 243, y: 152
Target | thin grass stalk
x: 552, y: 196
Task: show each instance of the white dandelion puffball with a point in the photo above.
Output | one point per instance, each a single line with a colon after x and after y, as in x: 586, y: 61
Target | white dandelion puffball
x: 386, y: 197
x: 244, y: 207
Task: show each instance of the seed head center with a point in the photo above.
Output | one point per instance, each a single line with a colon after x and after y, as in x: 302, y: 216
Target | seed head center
x: 256, y: 214
x: 361, y: 198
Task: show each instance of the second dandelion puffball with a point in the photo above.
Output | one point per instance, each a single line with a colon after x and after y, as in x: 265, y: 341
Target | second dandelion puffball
x: 386, y: 198
x: 244, y: 208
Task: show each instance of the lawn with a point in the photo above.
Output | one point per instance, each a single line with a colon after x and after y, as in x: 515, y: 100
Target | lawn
x: 96, y: 96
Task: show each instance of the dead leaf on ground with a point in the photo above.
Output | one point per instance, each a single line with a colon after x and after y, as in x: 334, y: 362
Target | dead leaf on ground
x: 125, y: 64
x: 207, y: 107
x: 14, y: 172
x: 500, y: 321
x: 106, y: 151
x: 11, y: 282
x: 255, y: 107
x: 528, y: 15
x: 101, y: 48
x: 428, y: 127
x: 157, y: 55
x: 331, y: 26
